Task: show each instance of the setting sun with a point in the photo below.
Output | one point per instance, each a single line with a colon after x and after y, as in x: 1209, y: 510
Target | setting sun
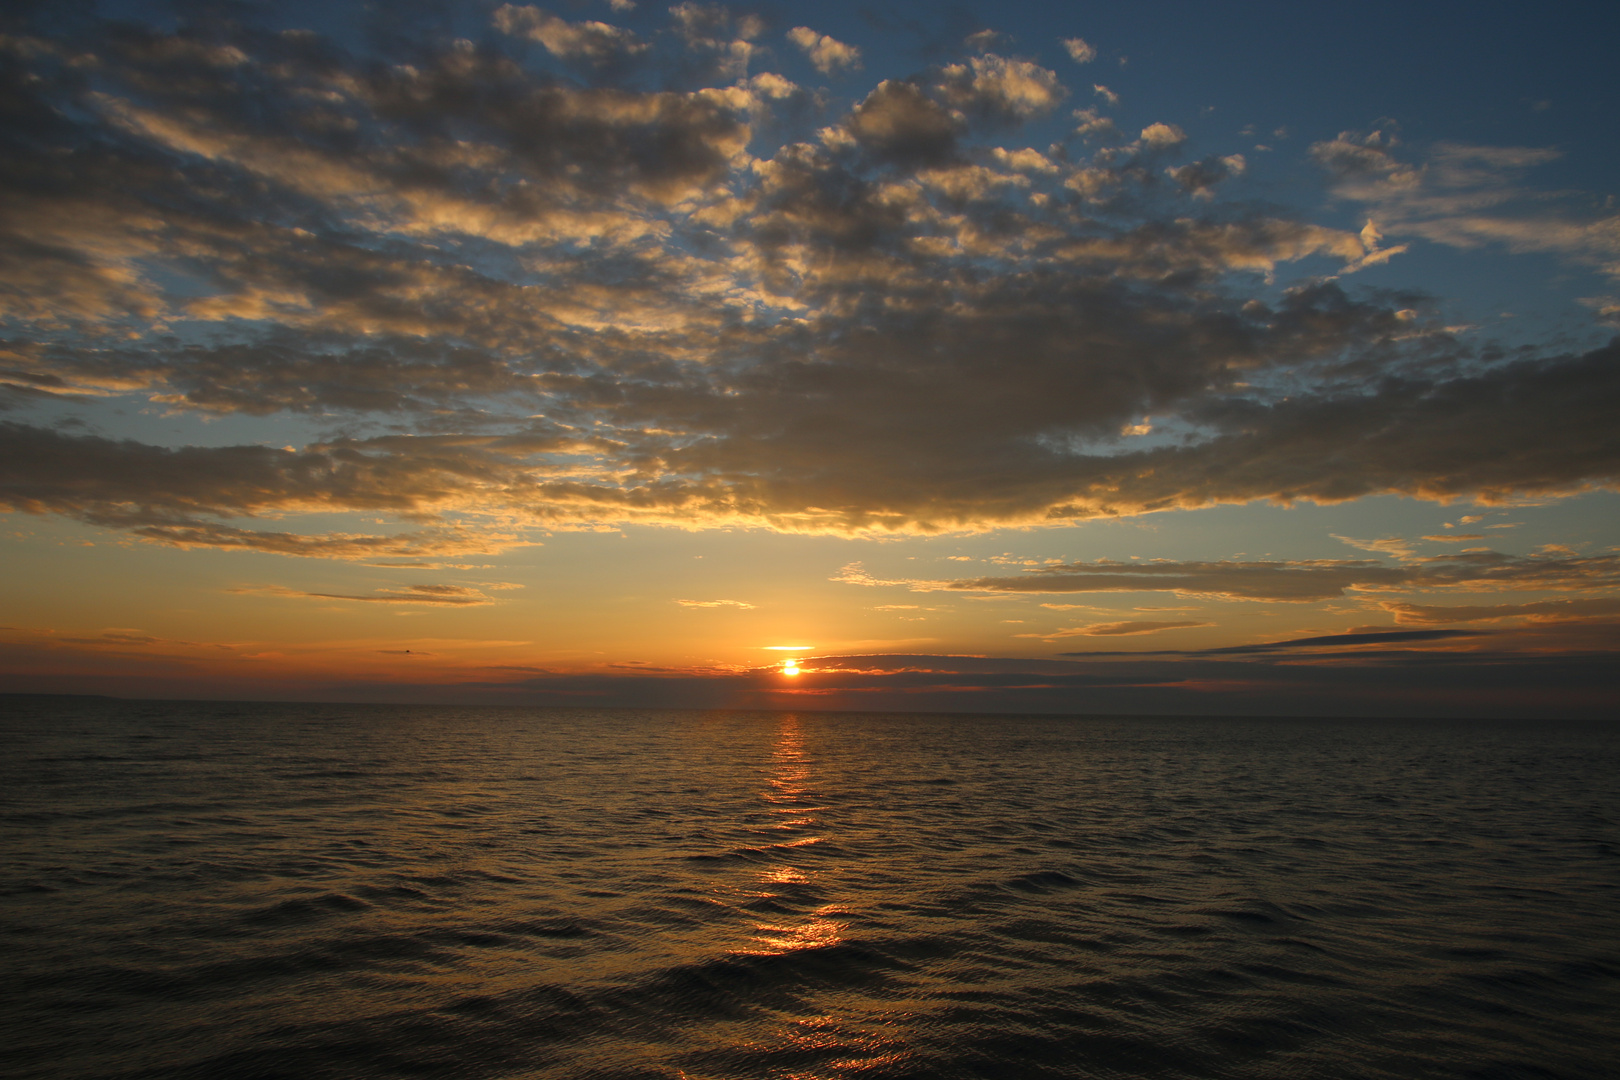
x: 790, y: 667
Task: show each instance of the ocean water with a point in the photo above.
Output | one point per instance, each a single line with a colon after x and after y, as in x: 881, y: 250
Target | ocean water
x: 310, y: 891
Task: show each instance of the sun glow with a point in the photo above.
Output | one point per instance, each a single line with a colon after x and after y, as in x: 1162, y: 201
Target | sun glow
x: 790, y: 667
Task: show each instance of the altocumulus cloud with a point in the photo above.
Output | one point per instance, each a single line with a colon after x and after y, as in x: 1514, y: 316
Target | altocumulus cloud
x: 591, y: 301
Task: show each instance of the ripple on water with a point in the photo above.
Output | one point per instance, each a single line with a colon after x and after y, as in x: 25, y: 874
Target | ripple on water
x: 277, y: 890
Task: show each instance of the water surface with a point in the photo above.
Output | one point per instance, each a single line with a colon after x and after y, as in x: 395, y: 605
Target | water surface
x: 256, y: 891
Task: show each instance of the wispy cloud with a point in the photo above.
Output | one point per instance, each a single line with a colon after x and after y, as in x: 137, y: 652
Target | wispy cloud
x: 1535, y: 611
x: 828, y: 54
x: 1283, y: 581
x: 1333, y: 641
x: 432, y: 595
x: 1467, y: 196
x: 1395, y: 546
x: 1115, y: 629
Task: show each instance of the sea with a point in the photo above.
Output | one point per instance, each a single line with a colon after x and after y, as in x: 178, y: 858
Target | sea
x: 254, y: 891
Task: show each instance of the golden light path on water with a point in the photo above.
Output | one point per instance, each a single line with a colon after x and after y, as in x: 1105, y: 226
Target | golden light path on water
x: 795, y: 804
x: 791, y: 799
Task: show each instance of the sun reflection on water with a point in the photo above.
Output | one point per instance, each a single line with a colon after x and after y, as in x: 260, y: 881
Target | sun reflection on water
x: 794, y: 805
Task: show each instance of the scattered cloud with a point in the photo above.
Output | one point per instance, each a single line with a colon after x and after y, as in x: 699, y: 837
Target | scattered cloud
x: 1162, y: 135
x: 592, y: 303
x: 999, y: 87
x: 987, y: 40
x: 1079, y: 50
x: 590, y: 40
x: 715, y: 604
x: 1091, y: 125
x: 828, y: 55
x: 1394, y: 546
x: 1200, y: 177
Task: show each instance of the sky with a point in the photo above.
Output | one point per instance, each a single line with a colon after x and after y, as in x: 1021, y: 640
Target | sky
x: 1149, y: 358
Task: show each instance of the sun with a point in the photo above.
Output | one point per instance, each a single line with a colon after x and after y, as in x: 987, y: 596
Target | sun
x: 790, y: 667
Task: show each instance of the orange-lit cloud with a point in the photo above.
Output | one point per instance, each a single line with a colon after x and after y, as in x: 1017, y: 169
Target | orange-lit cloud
x: 1535, y: 611
x: 1296, y: 581
x: 444, y: 595
x: 1116, y: 629
x: 827, y: 53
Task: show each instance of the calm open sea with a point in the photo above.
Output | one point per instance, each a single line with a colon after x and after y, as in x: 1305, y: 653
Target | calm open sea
x: 305, y: 891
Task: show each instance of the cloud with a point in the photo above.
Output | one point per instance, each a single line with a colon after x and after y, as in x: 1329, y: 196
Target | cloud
x: 986, y: 40
x: 1328, y: 641
x: 718, y: 34
x: 115, y: 638
x: 1200, y: 177
x: 1394, y: 546
x: 1468, y: 196
x: 992, y: 85
x: 1291, y: 581
x: 898, y: 122
x: 433, y: 595
x: 1537, y: 611
x: 1093, y: 125
x: 184, y: 497
x: 1027, y: 159
x: 1294, y: 581
x: 714, y: 604
x: 1079, y: 51
x: 593, y: 41
x: 590, y: 301
x: 453, y: 540
x: 1162, y: 135
x: 1115, y: 629
x: 827, y: 54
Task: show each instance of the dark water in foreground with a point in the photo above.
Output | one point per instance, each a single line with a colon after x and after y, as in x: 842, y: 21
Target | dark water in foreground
x: 247, y: 891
